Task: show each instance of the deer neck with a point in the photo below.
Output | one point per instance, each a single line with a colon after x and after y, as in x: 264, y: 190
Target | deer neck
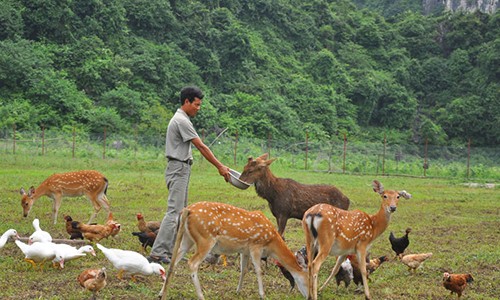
x: 380, y: 221
x: 266, y: 185
x: 281, y: 252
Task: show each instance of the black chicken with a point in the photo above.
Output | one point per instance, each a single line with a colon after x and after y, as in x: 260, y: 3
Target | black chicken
x: 399, y: 244
x: 146, y: 238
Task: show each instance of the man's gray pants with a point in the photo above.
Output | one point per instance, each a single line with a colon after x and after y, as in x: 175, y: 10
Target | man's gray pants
x: 177, y: 179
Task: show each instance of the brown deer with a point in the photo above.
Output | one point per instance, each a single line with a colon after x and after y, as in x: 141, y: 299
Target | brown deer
x: 90, y: 183
x: 286, y: 197
x: 224, y: 229
x: 330, y: 230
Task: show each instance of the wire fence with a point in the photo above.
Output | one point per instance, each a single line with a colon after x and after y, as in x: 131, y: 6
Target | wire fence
x: 339, y: 155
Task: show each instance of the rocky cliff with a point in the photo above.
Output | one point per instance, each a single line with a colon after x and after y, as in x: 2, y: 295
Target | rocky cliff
x: 486, y: 6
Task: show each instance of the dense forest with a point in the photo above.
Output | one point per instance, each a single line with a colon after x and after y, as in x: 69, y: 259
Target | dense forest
x: 267, y: 67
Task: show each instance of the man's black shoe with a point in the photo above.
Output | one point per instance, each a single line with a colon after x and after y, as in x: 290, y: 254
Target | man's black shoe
x: 159, y: 260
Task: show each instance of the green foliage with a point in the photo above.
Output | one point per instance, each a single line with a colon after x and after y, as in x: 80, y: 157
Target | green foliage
x: 324, y: 66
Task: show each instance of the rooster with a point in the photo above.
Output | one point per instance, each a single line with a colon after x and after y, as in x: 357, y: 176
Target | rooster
x: 150, y: 226
x: 373, y: 264
x: 74, y: 233
x: 413, y: 261
x: 399, y: 245
x: 456, y: 283
x: 93, y: 280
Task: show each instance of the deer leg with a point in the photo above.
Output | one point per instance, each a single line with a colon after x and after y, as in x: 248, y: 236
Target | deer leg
x: 362, y: 266
x: 243, y: 270
x: 256, y: 255
x: 97, y: 208
x: 335, y: 270
x: 202, y: 249
x: 55, y: 206
x: 281, y: 226
x: 315, y: 266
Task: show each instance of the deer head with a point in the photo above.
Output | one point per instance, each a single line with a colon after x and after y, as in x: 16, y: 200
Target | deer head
x: 255, y: 168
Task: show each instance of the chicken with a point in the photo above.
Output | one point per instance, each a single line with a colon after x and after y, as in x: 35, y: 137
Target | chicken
x: 456, y: 283
x: 413, y: 261
x: 146, y: 239
x: 39, y: 235
x: 373, y: 264
x: 116, y: 226
x: 74, y: 233
x: 399, y: 244
x: 345, y: 273
x: 93, y: 280
x: 356, y: 272
x: 126, y: 261
x: 95, y: 233
x: 144, y: 226
x: 6, y: 235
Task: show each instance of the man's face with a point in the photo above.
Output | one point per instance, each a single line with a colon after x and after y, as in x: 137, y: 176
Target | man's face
x: 192, y: 108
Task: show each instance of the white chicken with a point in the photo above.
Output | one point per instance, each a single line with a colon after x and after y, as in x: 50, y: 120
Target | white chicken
x: 126, y: 261
x: 38, y: 253
x: 5, y: 236
x: 39, y: 235
x: 68, y: 252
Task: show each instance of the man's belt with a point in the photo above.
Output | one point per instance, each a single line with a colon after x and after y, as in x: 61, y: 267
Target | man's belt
x: 187, y: 161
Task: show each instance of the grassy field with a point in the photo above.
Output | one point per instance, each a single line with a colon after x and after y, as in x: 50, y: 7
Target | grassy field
x: 459, y: 224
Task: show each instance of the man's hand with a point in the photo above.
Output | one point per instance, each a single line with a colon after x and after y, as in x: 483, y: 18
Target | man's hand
x: 224, y: 172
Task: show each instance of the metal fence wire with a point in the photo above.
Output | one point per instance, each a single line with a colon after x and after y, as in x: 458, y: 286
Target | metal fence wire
x: 336, y: 156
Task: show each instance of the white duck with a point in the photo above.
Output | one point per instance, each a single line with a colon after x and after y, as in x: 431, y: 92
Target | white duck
x: 126, y: 261
x: 39, y: 235
x: 38, y: 253
x: 68, y: 253
x: 6, y: 235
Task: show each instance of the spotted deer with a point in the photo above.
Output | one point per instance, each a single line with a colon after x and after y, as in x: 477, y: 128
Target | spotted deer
x: 330, y: 230
x: 224, y: 229
x: 90, y: 183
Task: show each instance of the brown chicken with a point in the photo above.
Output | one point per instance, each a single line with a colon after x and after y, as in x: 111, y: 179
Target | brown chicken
x: 413, y: 261
x: 74, y: 233
x: 117, y: 226
x: 371, y: 266
x: 97, y: 232
x: 456, y: 283
x: 150, y: 226
x: 93, y: 280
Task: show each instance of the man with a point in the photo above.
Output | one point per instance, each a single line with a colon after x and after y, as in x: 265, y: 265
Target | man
x: 180, y: 135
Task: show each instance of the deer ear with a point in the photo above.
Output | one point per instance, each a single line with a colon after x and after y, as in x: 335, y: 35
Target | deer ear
x: 22, y: 191
x: 263, y: 156
x: 250, y: 158
x: 268, y: 162
x: 31, y: 191
x: 405, y: 194
x: 377, y: 187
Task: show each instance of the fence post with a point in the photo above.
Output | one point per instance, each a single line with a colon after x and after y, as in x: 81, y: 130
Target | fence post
x: 345, y: 144
x: 307, y: 149
x: 330, y: 154
x: 269, y: 144
x: 14, y: 140
x: 425, y: 158
x: 104, y: 145
x: 43, y: 140
x: 136, y: 138
x: 468, y: 159
x: 383, y: 157
x: 235, y: 147
x: 74, y: 141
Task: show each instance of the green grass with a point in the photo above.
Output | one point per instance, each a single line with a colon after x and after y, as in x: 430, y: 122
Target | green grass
x: 459, y: 224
